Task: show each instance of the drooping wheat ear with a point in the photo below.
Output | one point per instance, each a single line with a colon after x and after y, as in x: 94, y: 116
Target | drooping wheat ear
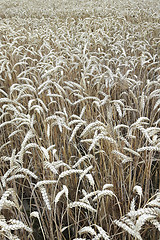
x: 141, y: 221
x: 69, y: 172
x: 149, y: 148
x: 60, y: 163
x: 132, y: 151
x: 27, y: 172
x: 44, y: 182
x: 50, y: 166
x: 9, y: 204
x: 140, y: 121
x: 45, y: 152
x: 82, y: 159
x: 102, y: 194
x: 128, y: 229
x: 4, y: 197
x: 97, y: 237
x: 83, y: 199
x: 107, y: 185
x: 4, y: 229
x: 17, y: 176
x: 84, y: 99
x: 31, y: 145
x: 156, y: 223
x: 16, y: 224
x: 91, y: 127
x: 85, y: 172
x: 154, y: 203
x: 36, y: 215
x: 63, y: 191
x: 45, y: 197
x: 122, y: 156
x: 82, y: 205
x: 77, y: 127
x: 132, y: 206
x: 87, y: 229
x: 82, y: 112
x: 118, y: 108
x: 5, y: 123
x: 13, y: 158
x: 117, y: 127
x: 75, y: 121
x: 151, y: 211
x: 27, y: 137
x: 99, y: 137
x: 5, y: 145
x: 5, y: 176
x: 89, y: 195
x: 138, y: 190
x: 90, y: 179
x: 103, y: 233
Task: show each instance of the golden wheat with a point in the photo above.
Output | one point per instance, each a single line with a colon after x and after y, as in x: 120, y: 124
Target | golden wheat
x: 79, y: 119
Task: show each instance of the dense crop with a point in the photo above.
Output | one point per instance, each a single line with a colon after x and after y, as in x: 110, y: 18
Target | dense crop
x: 79, y: 120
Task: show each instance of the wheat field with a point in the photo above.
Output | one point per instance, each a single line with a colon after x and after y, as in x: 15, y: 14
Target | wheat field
x: 79, y: 120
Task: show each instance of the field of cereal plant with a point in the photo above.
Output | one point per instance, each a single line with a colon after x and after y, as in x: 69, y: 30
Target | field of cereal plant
x: 79, y: 120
